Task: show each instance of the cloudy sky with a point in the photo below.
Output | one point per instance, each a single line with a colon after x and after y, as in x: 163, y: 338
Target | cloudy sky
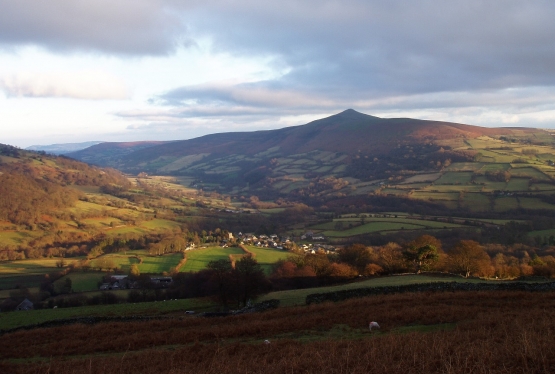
x: 126, y: 70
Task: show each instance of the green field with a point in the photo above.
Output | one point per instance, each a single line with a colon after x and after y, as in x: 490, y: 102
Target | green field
x: 298, y: 297
x: 122, y: 261
x: 528, y: 172
x: 157, y: 224
x: 81, y: 281
x: 455, y: 178
x: 198, y: 259
x: 476, y: 202
x: 533, y: 203
x: 266, y: 257
x: 11, y: 320
x: 159, y: 264
x: 34, y: 266
x: 373, y: 227
x: 387, y: 222
x: 17, y: 237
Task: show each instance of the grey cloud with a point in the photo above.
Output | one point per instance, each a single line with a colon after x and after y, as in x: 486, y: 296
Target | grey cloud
x: 455, y: 59
x: 394, y: 46
x: 122, y: 27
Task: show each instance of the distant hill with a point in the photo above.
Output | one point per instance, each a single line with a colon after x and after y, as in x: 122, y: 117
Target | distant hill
x: 60, y: 149
x: 346, y: 145
x: 109, y: 153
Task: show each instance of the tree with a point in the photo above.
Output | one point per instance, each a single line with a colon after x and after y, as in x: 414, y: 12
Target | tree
x: 220, y: 277
x: 67, y: 287
x: 342, y: 271
x: 134, y: 271
x: 468, y: 257
x: 60, y: 263
x: 318, y: 262
x: 391, y: 258
x: 357, y: 256
x: 249, y: 279
x: 422, y: 252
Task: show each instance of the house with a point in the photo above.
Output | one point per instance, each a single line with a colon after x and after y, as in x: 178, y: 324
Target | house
x: 25, y: 305
x: 162, y: 281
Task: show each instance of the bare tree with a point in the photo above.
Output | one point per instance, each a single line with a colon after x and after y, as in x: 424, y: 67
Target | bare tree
x: 468, y: 257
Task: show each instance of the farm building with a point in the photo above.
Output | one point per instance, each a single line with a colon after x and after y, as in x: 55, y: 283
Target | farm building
x: 25, y: 305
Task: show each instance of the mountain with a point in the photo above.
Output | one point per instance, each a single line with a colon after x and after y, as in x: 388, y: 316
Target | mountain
x: 60, y: 149
x: 346, y: 145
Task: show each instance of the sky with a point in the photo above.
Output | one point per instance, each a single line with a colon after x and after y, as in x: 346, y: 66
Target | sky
x: 130, y: 70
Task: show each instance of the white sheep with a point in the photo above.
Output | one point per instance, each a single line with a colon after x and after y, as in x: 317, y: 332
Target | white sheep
x: 373, y: 324
x: 266, y: 342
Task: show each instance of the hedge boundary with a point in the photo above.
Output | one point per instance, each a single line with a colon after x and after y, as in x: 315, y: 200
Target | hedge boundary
x: 335, y: 296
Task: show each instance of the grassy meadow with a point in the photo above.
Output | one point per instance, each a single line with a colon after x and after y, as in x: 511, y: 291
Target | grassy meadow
x: 198, y: 259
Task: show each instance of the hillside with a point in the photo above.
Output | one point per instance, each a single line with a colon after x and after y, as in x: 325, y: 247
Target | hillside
x: 54, y: 205
x: 348, y: 154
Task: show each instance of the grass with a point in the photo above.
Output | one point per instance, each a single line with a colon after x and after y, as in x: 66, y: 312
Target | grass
x: 122, y: 261
x: 198, y: 259
x: 533, y: 203
x: 517, y: 184
x: 455, y: 178
x: 17, y: 237
x: 419, y: 178
x: 529, y: 172
x: 435, y: 196
x: 298, y: 297
x: 399, y: 222
x: 81, y: 282
x: 10, y: 320
x: 542, y: 233
x: 157, y: 224
x: 8, y: 282
x: 476, y: 202
x: 373, y: 227
x: 34, y: 266
x: 159, y: 264
x: 503, y: 204
x: 266, y: 257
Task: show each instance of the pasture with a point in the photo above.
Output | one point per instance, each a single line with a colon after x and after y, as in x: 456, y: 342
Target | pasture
x: 121, y: 261
x: 267, y: 257
x: 159, y: 264
x: 10, y: 320
x: 351, y: 225
x: 198, y: 259
x: 372, y: 227
x: 81, y: 281
x: 298, y: 297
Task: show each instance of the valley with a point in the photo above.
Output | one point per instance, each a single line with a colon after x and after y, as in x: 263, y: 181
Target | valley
x: 226, y: 219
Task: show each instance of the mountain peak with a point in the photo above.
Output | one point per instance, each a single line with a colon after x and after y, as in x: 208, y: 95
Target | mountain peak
x: 352, y: 114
